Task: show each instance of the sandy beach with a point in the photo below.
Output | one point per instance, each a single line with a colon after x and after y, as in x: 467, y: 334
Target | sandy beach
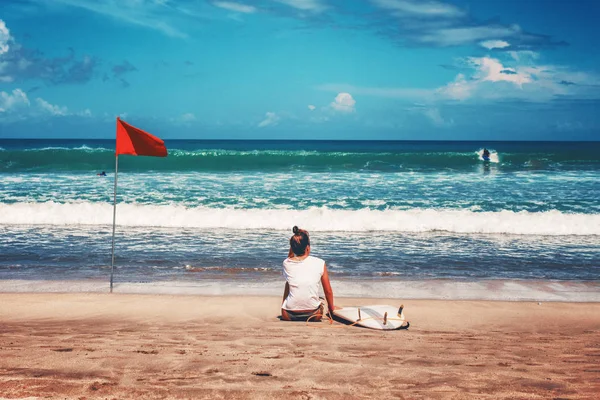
x: 102, y: 346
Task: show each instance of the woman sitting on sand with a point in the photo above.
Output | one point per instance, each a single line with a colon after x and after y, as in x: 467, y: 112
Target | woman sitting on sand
x: 303, y: 273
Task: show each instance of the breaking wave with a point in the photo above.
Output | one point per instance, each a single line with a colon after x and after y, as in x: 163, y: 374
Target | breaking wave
x: 551, y: 222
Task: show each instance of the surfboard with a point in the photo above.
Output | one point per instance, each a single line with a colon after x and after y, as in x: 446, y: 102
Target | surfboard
x: 382, y: 317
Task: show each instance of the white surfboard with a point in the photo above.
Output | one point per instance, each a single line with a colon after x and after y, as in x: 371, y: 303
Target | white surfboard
x: 381, y: 317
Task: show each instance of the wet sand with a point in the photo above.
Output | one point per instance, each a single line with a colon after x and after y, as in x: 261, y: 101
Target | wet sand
x: 103, y: 346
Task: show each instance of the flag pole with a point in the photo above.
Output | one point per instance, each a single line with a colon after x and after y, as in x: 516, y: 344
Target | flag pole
x: 133, y: 141
x: 112, y: 266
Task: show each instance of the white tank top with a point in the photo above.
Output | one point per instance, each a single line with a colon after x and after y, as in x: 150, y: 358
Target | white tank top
x: 304, y: 279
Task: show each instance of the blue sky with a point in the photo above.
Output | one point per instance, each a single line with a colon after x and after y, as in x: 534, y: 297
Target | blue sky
x: 301, y: 69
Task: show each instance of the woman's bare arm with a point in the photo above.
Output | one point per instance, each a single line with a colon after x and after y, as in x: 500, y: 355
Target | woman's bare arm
x: 286, y: 292
x: 284, y: 315
x: 327, y: 289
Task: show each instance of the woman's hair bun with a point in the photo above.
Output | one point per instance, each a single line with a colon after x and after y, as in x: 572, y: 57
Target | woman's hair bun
x: 295, y: 230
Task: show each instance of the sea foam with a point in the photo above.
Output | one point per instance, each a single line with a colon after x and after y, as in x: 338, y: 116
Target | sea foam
x: 551, y: 222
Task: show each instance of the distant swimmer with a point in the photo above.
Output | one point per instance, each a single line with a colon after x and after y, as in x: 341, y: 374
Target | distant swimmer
x: 486, y: 155
x: 103, y: 173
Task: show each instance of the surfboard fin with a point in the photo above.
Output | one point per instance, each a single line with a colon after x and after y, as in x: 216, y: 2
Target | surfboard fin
x: 385, y: 318
x: 359, y: 318
x: 400, y: 310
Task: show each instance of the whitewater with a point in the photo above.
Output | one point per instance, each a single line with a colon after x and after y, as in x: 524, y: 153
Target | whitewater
x: 318, y: 219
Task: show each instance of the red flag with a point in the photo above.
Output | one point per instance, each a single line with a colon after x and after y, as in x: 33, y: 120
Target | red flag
x: 136, y: 142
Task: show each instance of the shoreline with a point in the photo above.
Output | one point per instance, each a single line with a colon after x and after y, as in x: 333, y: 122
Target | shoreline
x: 96, y: 346
x: 391, y: 288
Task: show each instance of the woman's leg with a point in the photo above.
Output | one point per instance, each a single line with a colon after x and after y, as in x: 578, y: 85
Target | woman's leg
x: 315, y: 315
x: 285, y: 316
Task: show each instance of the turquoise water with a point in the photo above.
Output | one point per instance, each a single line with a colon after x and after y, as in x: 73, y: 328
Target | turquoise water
x: 375, y: 210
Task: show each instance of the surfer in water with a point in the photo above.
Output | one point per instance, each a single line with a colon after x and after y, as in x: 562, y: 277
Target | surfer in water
x: 303, y: 273
x: 486, y: 155
x: 103, y: 173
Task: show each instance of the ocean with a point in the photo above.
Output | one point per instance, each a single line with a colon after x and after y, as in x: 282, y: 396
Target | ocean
x: 396, y: 219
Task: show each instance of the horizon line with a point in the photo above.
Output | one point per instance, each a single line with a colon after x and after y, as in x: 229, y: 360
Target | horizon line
x: 323, y: 140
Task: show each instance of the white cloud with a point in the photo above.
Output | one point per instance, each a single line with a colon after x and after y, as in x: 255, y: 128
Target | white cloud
x: 493, y: 79
x: 182, y: 120
x: 24, y: 64
x: 235, y: 7
x: 420, y: 8
x: 344, y: 102
x: 304, y: 5
x: 435, y: 117
x: 570, y: 126
x: 486, y: 70
x: 150, y: 15
x: 4, y: 37
x: 271, y: 119
x: 188, y: 117
x: 491, y: 69
x: 391, y: 92
x: 441, y: 23
x: 524, y: 55
x: 11, y: 102
x: 459, y: 89
x: 319, y: 119
x: 16, y: 105
x: 469, y: 34
x: 311, y: 107
x: 51, y: 109
x: 432, y: 114
x: 494, y: 44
